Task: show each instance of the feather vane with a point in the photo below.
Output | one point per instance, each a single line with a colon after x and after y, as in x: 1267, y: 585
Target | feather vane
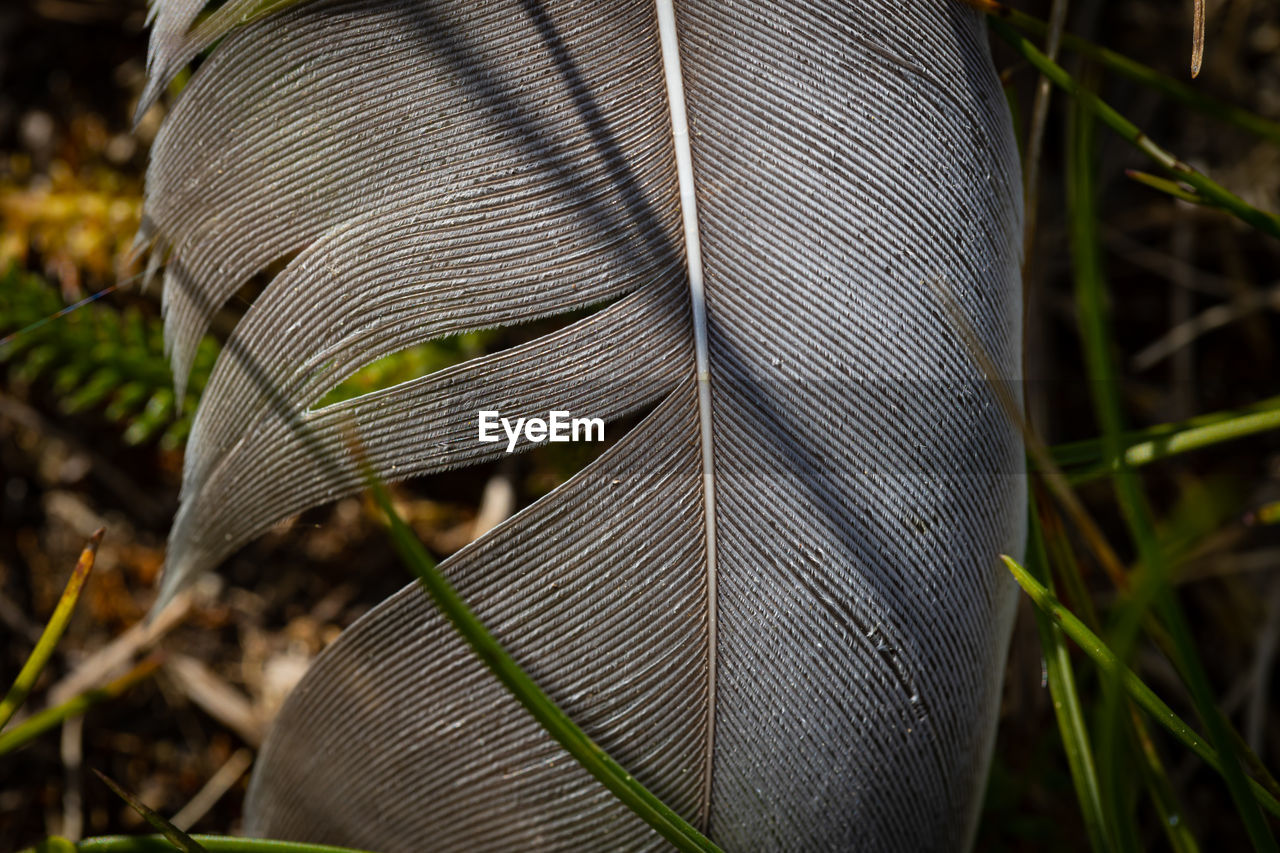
x: 811, y: 661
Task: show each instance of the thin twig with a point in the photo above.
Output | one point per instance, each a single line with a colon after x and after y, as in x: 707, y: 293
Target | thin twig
x: 116, y: 655
x: 1141, y: 255
x: 1263, y: 665
x: 73, y: 797
x: 219, y: 699
x: 218, y: 785
x: 1183, y: 396
x: 1206, y: 321
x: 497, y: 502
x: 1035, y: 131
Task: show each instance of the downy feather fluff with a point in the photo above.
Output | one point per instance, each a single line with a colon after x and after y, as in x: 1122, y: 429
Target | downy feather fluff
x: 776, y: 601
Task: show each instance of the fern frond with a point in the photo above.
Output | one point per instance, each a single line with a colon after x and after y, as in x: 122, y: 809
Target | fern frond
x: 113, y: 359
x: 97, y: 357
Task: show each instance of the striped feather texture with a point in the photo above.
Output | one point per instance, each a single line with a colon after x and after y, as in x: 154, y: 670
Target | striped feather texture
x: 776, y: 601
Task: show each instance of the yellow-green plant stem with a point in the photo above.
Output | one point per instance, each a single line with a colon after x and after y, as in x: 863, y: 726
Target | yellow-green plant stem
x: 1143, y: 447
x: 1208, y: 189
x: 1163, y: 185
x: 38, y: 724
x: 48, y: 641
x: 1106, y: 660
x: 1196, y: 438
x: 557, y: 723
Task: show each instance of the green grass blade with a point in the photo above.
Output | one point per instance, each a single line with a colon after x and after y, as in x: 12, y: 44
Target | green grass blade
x: 1219, y: 731
x: 1066, y: 701
x: 1136, y: 71
x: 1163, y: 185
x: 171, y: 833
x: 1142, y: 447
x: 1195, y: 438
x: 1163, y: 798
x: 1210, y: 191
x: 1096, y: 338
x: 38, y: 724
x: 48, y: 641
x: 1060, y: 554
x: 557, y: 723
x: 1109, y: 723
x: 1106, y: 661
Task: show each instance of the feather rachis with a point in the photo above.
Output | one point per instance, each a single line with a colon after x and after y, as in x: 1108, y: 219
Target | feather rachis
x: 702, y: 362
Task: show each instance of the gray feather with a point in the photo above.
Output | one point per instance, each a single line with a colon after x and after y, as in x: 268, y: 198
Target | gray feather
x: 830, y: 678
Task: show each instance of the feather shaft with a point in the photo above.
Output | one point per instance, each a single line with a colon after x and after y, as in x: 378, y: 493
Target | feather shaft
x: 702, y: 362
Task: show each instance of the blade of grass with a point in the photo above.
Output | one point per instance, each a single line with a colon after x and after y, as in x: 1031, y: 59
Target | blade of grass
x: 171, y: 833
x: 1208, y: 189
x: 1163, y: 185
x: 41, y: 722
x: 1136, y: 71
x: 557, y: 723
x: 52, y: 632
x: 1142, y: 447
x: 1060, y: 554
x: 1195, y: 438
x: 1115, y: 739
x: 1056, y: 483
x: 1066, y: 701
x: 1083, y: 221
x: 1163, y: 798
x: 1106, y: 660
x: 1052, y: 477
x: 1134, y: 612
x: 1096, y: 339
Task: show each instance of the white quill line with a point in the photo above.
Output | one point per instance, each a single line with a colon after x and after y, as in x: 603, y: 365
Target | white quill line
x: 697, y: 298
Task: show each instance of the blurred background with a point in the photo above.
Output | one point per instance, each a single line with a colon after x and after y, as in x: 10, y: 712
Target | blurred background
x: 91, y: 435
